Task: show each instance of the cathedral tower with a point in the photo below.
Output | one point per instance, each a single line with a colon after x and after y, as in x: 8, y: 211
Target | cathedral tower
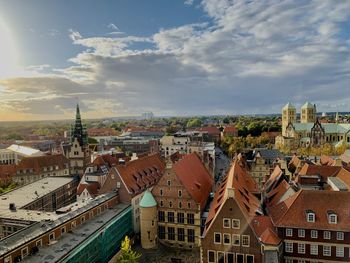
x: 288, y: 115
x: 308, y: 113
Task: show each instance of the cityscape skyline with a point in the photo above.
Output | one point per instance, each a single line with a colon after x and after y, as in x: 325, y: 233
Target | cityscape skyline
x: 216, y: 58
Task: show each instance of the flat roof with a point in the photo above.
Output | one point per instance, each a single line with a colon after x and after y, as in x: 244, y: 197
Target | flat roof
x: 70, y: 240
x: 39, y: 228
x: 28, y: 193
x: 24, y: 150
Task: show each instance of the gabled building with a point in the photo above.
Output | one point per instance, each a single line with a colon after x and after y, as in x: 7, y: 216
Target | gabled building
x: 181, y: 196
x: 236, y: 229
x: 314, y: 226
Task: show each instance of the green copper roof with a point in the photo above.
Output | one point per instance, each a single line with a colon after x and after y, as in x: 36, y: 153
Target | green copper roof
x: 148, y: 200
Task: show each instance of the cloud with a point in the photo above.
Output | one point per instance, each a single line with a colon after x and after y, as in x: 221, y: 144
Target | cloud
x: 249, y: 57
x: 74, y: 35
x: 188, y: 2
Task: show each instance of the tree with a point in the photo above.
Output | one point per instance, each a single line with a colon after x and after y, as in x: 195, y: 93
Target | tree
x: 127, y: 254
x: 194, y: 123
x: 92, y: 140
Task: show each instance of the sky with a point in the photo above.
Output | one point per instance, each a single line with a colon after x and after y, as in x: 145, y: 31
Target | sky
x: 174, y: 58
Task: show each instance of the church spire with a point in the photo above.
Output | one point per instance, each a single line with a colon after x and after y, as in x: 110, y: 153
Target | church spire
x: 337, y: 117
x: 78, y: 130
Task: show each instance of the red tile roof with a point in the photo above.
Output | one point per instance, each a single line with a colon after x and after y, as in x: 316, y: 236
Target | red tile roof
x: 102, y: 132
x: 230, y: 129
x: 194, y: 177
x: 322, y: 170
x: 142, y: 173
x: 92, y: 187
x: 327, y: 160
x: 39, y: 162
x: 292, y: 211
x: 210, y: 129
x: 240, y: 181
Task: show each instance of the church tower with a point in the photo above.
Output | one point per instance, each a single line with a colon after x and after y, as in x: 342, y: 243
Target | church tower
x: 308, y: 113
x: 77, y: 150
x: 288, y: 116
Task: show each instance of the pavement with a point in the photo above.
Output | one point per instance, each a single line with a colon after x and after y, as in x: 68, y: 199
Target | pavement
x: 163, y: 254
x: 222, y: 164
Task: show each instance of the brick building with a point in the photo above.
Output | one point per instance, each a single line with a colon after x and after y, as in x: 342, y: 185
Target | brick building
x: 236, y: 229
x: 181, y: 195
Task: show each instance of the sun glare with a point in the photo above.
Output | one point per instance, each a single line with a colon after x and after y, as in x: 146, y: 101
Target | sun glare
x: 8, y: 52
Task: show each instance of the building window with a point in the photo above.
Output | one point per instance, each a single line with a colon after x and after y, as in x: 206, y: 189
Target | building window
x: 190, y: 219
x: 180, y: 205
x: 161, y: 203
x: 180, y: 218
x: 313, y: 249
x: 230, y: 257
x: 227, y: 223
x: 327, y: 251
x: 221, y: 257
x: 73, y: 224
x: 235, y: 223
x: 211, y: 256
x: 289, y: 232
x: 39, y: 243
x: 190, y: 235
x: 332, y: 218
x: 161, y: 192
x: 161, y: 232
x: 227, y: 239
x: 301, y: 248
x: 161, y: 216
x: 24, y: 252
x: 310, y: 217
x: 235, y: 240
x: 171, y: 217
x: 188, y: 205
x: 301, y: 232
x: 52, y: 236
x: 171, y: 233
x: 63, y: 230
x: 181, y: 234
x: 170, y: 204
x: 250, y: 259
x: 240, y: 258
x: 217, y: 238
x: 245, y: 240
x: 340, y: 235
x: 339, y: 251
x: 288, y: 260
x: 326, y: 234
x: 314, y: 234
x: 179, y: 193
x: 288, y: 246
x: 169, y: 183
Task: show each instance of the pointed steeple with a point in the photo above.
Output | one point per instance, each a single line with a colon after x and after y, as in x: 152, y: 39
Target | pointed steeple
x: 78, y: 130
x: 337, y: 117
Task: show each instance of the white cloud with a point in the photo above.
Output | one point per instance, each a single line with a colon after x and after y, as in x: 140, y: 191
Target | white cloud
x: 189, y: 2
x: 252, y: 56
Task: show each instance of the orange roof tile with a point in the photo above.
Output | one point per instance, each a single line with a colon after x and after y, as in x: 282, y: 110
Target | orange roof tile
x: 292, y: 212
x: 322, y: 170
x: 39, y: 162
x: 142, y: 173
x: 195, y: 177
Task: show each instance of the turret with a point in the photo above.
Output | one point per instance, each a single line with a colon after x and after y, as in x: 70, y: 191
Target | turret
x: 308, y: 113
x: 148, y: 220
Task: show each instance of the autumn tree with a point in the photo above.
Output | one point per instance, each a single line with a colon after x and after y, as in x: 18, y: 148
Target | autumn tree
x: 127, y: 254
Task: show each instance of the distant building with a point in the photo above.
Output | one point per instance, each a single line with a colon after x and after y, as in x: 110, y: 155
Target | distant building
x: 310, y: 131
x: 230, y: 131
x: 147, y: 115
x: 14, y: 154
x: 77, y: 149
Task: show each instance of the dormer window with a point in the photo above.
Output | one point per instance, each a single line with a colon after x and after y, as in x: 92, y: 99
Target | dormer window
x: 332, y: 217
x: 310, y: 216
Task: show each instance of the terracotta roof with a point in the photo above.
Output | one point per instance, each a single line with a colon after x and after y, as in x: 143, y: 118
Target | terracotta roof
x: 210, y: 129
x: 273, y: 179
x: 292, y: 212
x: 101, y: 132
x: 142, y: 173
x: 92, y: 187
x: 39, y: 162
x: 263, y: 228
x: 195, y: 177
x: 105, y: 159
x: 176, y: 156
x: 344, y: 175
x: 230, y: 129
x: 274, y: 196
x: 295, y: 162
x: 322, y: 170
x: 237, y: 180
x: 327, y: 160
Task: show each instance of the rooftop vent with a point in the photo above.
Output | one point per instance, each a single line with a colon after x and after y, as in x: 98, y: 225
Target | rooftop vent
x: 12, y: 207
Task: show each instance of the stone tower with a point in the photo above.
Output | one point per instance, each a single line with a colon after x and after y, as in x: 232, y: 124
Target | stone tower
x: 148, y: 220
x: 308, y: 113
x: 288, y: 115
x: 78, y: 130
